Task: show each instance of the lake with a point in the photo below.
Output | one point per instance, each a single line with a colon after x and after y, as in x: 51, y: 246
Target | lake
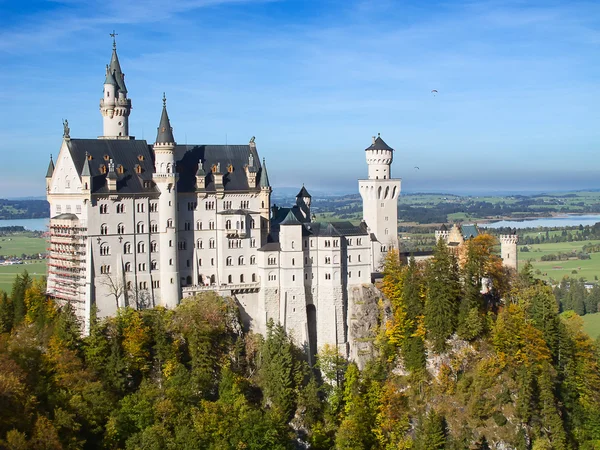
x: 30, y: 224
x: 562, y: 221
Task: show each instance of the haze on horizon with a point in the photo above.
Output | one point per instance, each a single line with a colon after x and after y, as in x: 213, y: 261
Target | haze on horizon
x: 516, y: 108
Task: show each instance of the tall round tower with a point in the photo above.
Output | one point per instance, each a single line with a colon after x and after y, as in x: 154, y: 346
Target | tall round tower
x: 380, y: 200
x: 115, y: 107
x: 508, y: 249
x: 165, y: 178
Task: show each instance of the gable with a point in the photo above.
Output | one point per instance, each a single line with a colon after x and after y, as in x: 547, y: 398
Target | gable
x: 65, y: 179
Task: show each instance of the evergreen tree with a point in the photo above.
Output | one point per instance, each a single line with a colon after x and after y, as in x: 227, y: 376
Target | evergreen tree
x: 7, y: 313
x: 470, y: 319
x: 592, y: 300
x: 20, y: 285
x: 413, y: 347
x: 443, y: 290
x: 431, y: 432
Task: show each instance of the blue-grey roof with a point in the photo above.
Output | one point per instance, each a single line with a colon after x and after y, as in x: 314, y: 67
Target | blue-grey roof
x: 379, y: 144
x: 50, y: 170
x: 469, y: 231
x: 165, y: 132
x: 290, y: 219
x: 264, y: 178
x: 270, y: 247
x: 110, y: 78
x: 303, y: 193
x: 115, y: 69
x: 125, y: 152
x: 235, y: 156
x: 86, y: 172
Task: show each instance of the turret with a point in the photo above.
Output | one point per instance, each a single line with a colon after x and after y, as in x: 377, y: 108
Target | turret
x: 303, y: 200
x: 200, y: 177
x: 379, y: 159
x: 111, y: 177
x: 49, y: 174
x: 380, y: 193
x: 165, y: 176
x: 442, y: 233
x: 86, y: 175
x: 265, y: 201
x: 115, y: 107
x: 508, y: 249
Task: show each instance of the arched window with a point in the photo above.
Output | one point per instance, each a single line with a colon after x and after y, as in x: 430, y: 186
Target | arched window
x: 140, y: 227
x: 104, y: 229
x: 211, y: 243
x: 252, y: 260
x: 120, y: 228
x: 127, y: 267
x: 170, y: 223
x: 104, y: 249
x: 141, y: 248
x: 229, y: 279
x: 154, y: 265
x: 153, y: 247
x: 228, y: 224
x: 241, y: 278
x: 127, y: 248
x: 254, y: 278
x: 252, y: 223
x: 211, y: 225
x: 153, y: 227
x: 241, y: 261
x: 229, y: 261
x: 198, y: 225
x: 199, y: 244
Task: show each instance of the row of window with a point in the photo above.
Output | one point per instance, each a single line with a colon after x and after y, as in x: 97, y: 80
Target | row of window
x: 120, y: 208
x: 68, y: 209
x: 140, y: 227
x: 229, y: 261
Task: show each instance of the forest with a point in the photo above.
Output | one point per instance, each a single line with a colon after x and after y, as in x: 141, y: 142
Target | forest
x: 455, y: 369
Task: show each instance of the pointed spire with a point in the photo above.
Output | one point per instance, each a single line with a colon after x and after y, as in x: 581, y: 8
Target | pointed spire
x: 115, y: 66
x: 110, y: 79
x: 50, y: 170
x: 303, y: 193
x: 264, y: 178
x: 86, y: 172
x: 165, y: 131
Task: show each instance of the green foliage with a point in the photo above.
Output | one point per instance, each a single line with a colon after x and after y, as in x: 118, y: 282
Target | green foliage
x: 443, y: 290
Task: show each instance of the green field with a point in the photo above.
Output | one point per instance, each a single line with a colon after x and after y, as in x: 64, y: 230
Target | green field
x: 36, y: 269
x: 587, y: 268
x: 591, y: 325
x: 17, y: 244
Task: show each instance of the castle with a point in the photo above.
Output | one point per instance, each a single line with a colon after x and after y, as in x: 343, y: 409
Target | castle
x: 143, y: 225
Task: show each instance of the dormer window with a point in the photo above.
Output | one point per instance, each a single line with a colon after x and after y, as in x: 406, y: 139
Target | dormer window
x: 103, y: 169
x: 230, y: 168
x: 89, y: 157
x: 138, y: 168
x: 106, y: 157
x: 214, y: 168
x: 120, y: 169
x: 140, y: 157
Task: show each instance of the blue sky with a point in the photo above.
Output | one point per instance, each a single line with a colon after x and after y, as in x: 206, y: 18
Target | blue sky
x: 517, y: 105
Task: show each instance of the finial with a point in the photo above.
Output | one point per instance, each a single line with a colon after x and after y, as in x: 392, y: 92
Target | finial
x: 378, y: 134
x: 164, y: 100
x: 50, y: 156
x: 114, y: 35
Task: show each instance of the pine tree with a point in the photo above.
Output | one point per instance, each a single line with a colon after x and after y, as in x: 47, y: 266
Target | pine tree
x: 19, y: 287
x: 7, y: 313
x: 441, y: 302
x: 431, y: 432
x: 413, y: 347
x: 470, y: 320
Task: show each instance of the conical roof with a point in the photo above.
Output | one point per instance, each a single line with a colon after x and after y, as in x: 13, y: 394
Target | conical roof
x: 115, y: 68
x: 86, y: 172
x: 303, y: 193
x: 200, y: 172
x: 290, y: 219
x: 50, y: 170
x: 110, y: 79
x: 379, y: 144
x: 264, y: 177
x: 165, y: 132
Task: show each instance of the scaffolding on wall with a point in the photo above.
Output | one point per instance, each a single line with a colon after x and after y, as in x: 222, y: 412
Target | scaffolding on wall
x: 67, y: 259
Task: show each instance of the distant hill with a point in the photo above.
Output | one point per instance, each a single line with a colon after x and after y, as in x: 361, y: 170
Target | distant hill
x: 23, y: 209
